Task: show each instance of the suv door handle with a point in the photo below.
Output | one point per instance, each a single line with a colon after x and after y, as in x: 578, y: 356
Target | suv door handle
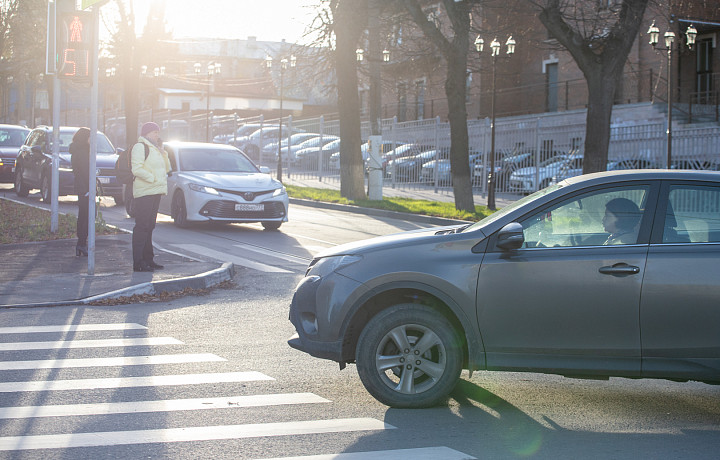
x: 619, y: 269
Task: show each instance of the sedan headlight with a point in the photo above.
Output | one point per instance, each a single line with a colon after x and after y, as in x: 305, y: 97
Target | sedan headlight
x: 203, y: 189
x: 280, y: 191
x: 327, y: 265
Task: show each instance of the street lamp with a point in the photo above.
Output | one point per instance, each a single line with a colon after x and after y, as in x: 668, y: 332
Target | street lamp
x: 690, y: 35
x: 495, y: 52
x: 283, y: 65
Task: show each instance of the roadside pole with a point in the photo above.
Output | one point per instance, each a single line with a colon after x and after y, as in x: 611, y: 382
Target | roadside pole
x: 92, y: 180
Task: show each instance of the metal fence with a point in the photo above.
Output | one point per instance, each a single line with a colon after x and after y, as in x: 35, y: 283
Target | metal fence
x: 530, y: 151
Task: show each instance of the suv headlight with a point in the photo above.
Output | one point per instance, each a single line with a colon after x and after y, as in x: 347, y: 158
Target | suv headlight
x: 327, y: 265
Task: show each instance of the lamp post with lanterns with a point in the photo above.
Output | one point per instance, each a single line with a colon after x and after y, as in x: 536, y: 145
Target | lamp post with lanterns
x: 495, y: 52
x: 690, y: 35
x: 284, y: 62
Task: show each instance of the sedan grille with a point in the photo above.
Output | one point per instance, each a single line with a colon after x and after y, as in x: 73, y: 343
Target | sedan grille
x: 224, y: 209
x: 248, y: 196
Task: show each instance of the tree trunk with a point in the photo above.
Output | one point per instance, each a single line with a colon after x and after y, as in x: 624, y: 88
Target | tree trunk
x: 459, y: 144
x: 601, y: 94
x: 348, y: 28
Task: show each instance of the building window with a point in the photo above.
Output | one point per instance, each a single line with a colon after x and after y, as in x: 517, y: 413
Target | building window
x: 420, y: 99
x: 402, y: 101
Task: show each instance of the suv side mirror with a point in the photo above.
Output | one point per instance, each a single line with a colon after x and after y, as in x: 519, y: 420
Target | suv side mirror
x: 511, y: 236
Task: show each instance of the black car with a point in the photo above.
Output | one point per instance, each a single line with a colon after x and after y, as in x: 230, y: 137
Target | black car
x: 11, y: 138
x: 34, y: 165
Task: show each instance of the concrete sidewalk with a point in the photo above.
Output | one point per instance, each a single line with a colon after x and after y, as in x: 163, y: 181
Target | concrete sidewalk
x: 48, y: 273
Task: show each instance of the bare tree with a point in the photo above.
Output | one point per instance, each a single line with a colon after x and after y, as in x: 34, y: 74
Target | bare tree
x: 599, y: 40
x: 454, y: 49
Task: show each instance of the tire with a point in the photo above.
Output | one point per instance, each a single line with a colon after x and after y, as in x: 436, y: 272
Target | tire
x: 119, y: 200
x: 21, y: 189
x: 45, y: 188
x: 179, y: 211
x: 271, y: 225
x: 383, y: 364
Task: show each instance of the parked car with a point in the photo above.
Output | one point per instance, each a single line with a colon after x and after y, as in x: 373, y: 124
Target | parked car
x: 444, y: 173
x: 217, y: 182
x: 11, y: 139
x: 34, y: 165
x: 385, y: 147
x: 407, y: 169
x: 253, y: 144
x: 529, y: 179
x: 288, y: 153
x: 243, y: 131
x: 508, y: 162
x: 531, y: 288
x: 309, y: 157
x: 307, y: 153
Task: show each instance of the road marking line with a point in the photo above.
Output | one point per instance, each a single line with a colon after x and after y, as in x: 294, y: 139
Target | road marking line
x: 64, y: 344
x: 170, y: 405
x: 107, y: 362
x: 225, y: 257
x: 277, y: 255
x: 69, y: 328
x: 131, y: 382
x: 422, y: 453
x: 297, y: 237
x: 205, y: 433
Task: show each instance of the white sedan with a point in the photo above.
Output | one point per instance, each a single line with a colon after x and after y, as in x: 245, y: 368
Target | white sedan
x: 217, y: 182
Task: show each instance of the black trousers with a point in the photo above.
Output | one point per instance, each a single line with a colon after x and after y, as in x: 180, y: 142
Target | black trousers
x: 82, y: 220
x: 146, y: 209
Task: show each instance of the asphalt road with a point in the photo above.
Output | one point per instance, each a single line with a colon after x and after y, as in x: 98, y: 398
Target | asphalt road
x: 282, y: 403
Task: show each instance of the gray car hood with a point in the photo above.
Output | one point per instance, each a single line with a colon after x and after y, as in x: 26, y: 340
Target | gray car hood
x: 413, y: 237
x: 232, y: 181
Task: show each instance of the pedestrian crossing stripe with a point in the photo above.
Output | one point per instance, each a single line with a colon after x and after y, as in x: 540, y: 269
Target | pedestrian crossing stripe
x: 170, y: 405
x: 109, y: 362
x: 225, y: 257
x: 69, y: 328
x: 131, y: 382
x: 206, y: 433
x: 420, y: 453
x: 65, y: 344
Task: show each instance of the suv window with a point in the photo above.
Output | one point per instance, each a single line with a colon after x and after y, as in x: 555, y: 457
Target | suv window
x: 693, y: 215
x: 584, y: 220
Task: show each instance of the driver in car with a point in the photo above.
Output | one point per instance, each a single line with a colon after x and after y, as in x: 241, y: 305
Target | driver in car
x: 620, y: 221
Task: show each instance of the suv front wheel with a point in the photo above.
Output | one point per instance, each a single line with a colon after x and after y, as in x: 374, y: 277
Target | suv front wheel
x: 409, y: 356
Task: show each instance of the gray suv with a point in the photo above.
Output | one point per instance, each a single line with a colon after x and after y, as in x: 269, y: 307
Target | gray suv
x: 605, y: 275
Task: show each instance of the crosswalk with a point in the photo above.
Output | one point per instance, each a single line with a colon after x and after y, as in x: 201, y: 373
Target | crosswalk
x: 20, y: 339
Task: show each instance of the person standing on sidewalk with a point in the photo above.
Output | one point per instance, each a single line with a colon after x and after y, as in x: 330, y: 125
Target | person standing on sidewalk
x: 80, y: 158
x: 150, y: 170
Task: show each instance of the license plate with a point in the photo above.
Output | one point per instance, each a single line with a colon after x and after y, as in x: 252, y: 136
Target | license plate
x: 104, y: 180
x: 249, y: 207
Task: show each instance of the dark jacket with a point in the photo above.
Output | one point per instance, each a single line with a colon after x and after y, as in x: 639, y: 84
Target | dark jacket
x: 80, y: 158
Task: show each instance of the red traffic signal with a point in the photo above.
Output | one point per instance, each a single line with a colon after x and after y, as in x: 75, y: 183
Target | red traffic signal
x: 74, y: 41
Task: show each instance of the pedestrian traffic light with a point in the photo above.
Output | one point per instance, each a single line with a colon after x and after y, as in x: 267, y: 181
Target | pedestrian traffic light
x: 74, y: 44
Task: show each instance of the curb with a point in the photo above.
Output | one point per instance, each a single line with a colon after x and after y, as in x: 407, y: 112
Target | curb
x: 200, y: 281
x: 378, y: 212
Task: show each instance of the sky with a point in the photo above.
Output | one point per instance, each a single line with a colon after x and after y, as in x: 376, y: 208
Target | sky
x: 268, y: 20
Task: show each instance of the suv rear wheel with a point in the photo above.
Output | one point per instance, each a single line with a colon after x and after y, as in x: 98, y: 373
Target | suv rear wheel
x: 409, y: 356
x: 21, y: 189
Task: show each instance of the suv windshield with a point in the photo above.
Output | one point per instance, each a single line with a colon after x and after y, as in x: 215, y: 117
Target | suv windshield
x: 103, y: 144
x: 511, y: 207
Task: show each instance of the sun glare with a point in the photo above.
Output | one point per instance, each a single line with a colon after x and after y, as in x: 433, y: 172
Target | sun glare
x: 267, y: 20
